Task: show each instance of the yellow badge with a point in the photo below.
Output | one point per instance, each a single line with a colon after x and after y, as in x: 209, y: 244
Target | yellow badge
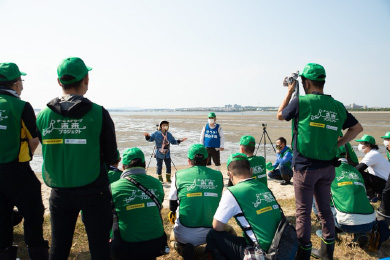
x: 260, y: 211
x: 197, y: 194
x: 53, y: 141
x: 317, y: 124
x: 135, y: 206
x: 344, y: 183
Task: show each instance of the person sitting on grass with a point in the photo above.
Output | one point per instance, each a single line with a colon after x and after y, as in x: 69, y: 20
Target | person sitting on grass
x: 253, y: 206
x: 194, y: 197
x: 114, y: 173
x: 247, y: 147
x: 138, y: 231
x: 283, y: 161
x: 351, y: 208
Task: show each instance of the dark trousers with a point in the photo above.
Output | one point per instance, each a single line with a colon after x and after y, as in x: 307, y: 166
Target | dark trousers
x: 306, y: 184
x: 65, y: 206
x: 225, y: 245
x: 21, y: 188
x: 213, y: 154
x: 385, y: 204
x: 146, y: 250
x: 373, y: 182
x: 167, y: 162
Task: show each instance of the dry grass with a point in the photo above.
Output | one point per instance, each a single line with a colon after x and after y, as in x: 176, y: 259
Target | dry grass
x: 344, y: 249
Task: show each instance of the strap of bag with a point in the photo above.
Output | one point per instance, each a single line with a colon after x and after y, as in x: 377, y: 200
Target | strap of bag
x: 145, y: 190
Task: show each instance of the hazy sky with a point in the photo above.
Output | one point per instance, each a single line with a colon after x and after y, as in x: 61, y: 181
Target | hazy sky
x: 177, y: 53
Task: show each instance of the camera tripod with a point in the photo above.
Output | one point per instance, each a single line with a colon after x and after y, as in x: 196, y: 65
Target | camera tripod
x: 265, y: 136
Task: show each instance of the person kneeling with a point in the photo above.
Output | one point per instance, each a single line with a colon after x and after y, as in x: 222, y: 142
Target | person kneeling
x: 253, y: 206
x: 138, y: 231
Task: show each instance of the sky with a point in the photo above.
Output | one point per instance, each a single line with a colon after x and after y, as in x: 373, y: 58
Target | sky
x: 177, y: 53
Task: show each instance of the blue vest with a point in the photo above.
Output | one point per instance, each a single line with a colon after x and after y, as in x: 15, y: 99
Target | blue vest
x: 211, y: 137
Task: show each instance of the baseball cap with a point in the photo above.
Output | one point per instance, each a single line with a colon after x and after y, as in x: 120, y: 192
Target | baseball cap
x: 211, y: 114
x: 10, y: 71
x: 341, y: 152
x: 367, y: 138
x: 314, y: 71
x: 248, y: 140
x: 236, y: 157
x: 386, y: 136
x: 197, y: 152
x: 132, y: 153
x: 74, y: 67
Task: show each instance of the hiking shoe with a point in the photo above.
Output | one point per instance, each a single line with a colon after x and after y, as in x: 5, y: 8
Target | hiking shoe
x: 160, y: 178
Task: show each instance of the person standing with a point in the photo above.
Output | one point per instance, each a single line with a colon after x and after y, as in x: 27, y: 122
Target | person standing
x: 318, y: 120
x: 19, y: 185
x: 283, y: 161
x: 138, y: 231
x: 194, y: 196
x: 163, y: 140
x: 213, y: 139
x: 78, y: 146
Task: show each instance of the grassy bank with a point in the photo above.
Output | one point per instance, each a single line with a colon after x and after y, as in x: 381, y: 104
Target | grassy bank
x: 345, y: 249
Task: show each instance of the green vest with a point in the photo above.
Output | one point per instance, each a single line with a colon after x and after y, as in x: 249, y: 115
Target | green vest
x: 70, y: 147
x: 348, y: 191
x: 388, y: 156
x: 113, y: 176
x: 258, y: 168
x: 351, y: 153
x: 199, y: 190
x: 11, y: 109
x: 138, y: 216
x: 320, y: 121
x: 260, y: 209
x: 288, y: 164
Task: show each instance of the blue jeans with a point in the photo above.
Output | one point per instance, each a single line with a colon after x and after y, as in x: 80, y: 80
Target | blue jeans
x: 167, y: 165
x: 363, y: 228
x: 277, y: 173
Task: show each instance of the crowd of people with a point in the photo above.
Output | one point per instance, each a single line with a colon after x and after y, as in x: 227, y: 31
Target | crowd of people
x: 121, y: 208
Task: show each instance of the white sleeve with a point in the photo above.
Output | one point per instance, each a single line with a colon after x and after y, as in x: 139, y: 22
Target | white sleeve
x: 227, y: 208
x: 368, y: 159
x: 201, y: 140
x: 222, y: 137
x: 173, y: 190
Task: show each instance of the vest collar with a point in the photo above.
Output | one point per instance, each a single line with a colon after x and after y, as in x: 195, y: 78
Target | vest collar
x: 131, y: 171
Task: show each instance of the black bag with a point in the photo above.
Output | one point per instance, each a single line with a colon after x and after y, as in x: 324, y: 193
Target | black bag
x: 285, y: 242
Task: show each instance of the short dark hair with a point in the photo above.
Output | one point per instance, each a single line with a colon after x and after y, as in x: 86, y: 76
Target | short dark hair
x: 198, y: 163
x: 137, y: 162
x: 240, y: 168
x: 282, y: 139
x: 317, y: 83
x: 75, y: 85
x: 8, y: 84
x: 248, y: 149
x: 372, y: 146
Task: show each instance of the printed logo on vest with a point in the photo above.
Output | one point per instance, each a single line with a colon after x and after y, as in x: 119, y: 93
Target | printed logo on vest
x: 206, y: 184
x: 76, y: 141
x: 150, y: 204
x: 139, y: 194
x: 257, y: 169
x: 135, y: 206
x: 347, y: 174
x: 265, y: 196
x: 66, y: 126
x: 52, y: 141
x: 210, y: 194
x: 3, y: 127
x: 317, y: 124
x: 334, y: 128
x: 344, y: 183
x: 2, y: 117
x: 326, y: 115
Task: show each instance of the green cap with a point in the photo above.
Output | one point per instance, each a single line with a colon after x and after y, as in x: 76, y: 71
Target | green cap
x: 248, y: 140
x: 10, y: 71
x: 236, y: 157
x: 197, y: 152
x: 386, y: 136
x: 132, y: 153
x: 211, y: 114
x: 314, y: 71
x: 341, y: 152
x: 367, y: 138
x: 269, y: 166
x: 72, y: 66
